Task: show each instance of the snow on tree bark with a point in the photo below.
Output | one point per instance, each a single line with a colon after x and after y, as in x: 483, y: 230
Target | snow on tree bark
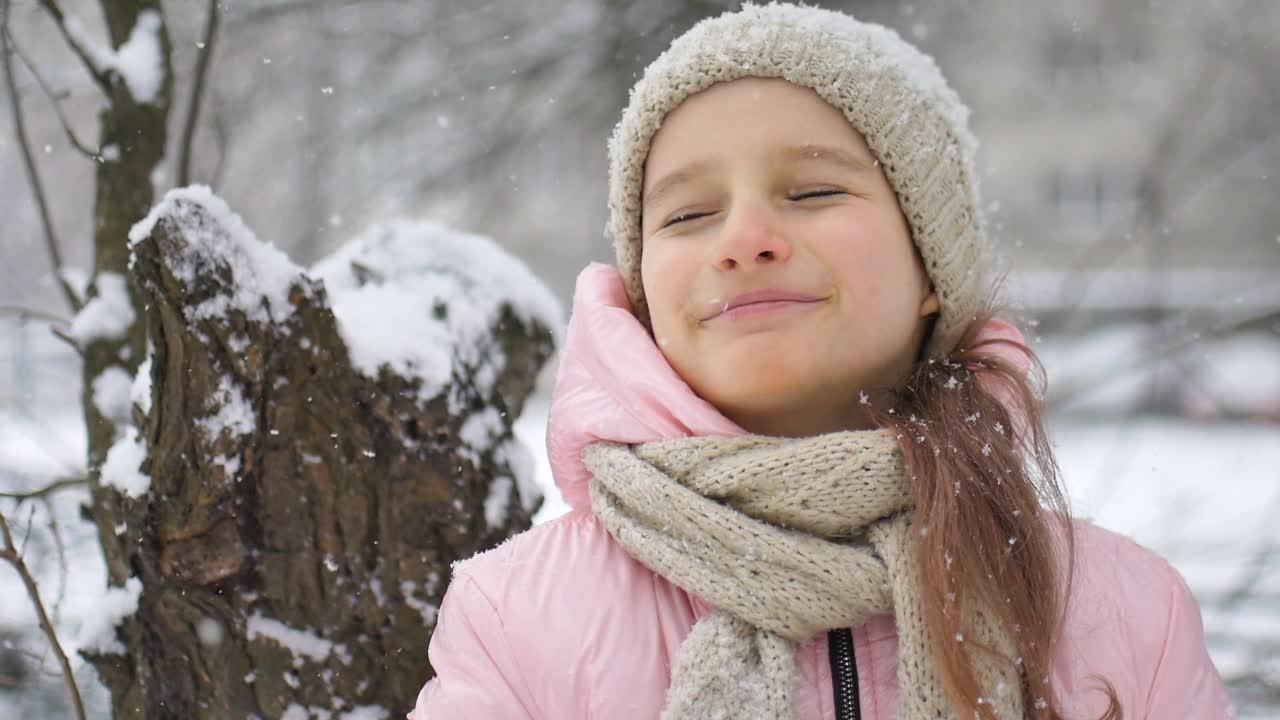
x: 303, y: 512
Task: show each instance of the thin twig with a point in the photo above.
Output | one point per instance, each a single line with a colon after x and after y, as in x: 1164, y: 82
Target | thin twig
x: 53, y: 98
x: 33, y: 175
x: 70, y: 341
x: 1136, y: 361
x: 10, y: 555
x: 26, y: 537
x: 197, y: 92
x: 61, y: 548
x: 98, y: 74
x: 25, y: 313
x: 55, y: 486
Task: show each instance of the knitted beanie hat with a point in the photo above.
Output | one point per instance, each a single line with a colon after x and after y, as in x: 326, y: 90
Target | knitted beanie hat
x: 890, y: 92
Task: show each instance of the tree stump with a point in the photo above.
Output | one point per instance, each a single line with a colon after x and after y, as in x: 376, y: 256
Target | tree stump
x: 319, y: 448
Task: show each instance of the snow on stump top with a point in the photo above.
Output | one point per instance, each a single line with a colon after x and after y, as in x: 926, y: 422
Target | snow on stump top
x: 321, y: 446
x: 421, y: 280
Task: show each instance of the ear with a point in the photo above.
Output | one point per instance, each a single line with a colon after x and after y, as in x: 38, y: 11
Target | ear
x: 930, y: 305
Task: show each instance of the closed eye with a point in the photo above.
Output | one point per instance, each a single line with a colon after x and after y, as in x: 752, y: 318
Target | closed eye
x: 807, y: 195
x: 686, y: 217
x: 811, y: 194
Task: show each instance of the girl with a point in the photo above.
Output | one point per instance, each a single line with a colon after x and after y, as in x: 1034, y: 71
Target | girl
x: 808, y: 476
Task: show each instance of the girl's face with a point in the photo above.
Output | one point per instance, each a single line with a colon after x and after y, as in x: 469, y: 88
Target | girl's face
x: 780, y: 274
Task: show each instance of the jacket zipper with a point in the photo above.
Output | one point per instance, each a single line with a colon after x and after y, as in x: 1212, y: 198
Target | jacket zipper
x: 844, y: 674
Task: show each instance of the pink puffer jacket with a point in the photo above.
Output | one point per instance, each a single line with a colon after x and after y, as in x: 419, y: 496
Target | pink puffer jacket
x: 559, y: 623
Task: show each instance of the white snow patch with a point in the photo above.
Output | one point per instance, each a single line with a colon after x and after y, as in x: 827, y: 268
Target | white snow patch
x: 210, y: 632
x: 258, y: 270
x: 138, y: 61
x: 232, y: 412
x: 478, y: 432
x: 516, y: 455
x: 121, y: 467
x: 107, y: 316
x: 366, y: 712
x: 112, y: 391
x: 98, y: 634
x: 230, y: 465
x: 427, y: 610
x: 295, y: 712
x: 298, y: 642
x: 495, y: 504
x: 102, y: 57
x: 533, y: 474
x: 343, y: 653
x: 77, y: 278
x: 420, y: 298
x: 140, y: 388
x: 1204, y: 496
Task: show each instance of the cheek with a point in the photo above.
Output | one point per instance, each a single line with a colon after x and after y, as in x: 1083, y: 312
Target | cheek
x: 873, y: 262
x: 667, y: 283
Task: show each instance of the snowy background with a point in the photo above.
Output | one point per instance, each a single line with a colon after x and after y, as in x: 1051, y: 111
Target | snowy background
x: 1130, y: 161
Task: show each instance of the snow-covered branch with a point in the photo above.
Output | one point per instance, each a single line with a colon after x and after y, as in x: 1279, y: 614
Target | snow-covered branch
x: 89, y: 57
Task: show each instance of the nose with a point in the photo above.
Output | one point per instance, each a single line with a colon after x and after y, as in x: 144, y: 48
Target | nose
x: 751, y: 238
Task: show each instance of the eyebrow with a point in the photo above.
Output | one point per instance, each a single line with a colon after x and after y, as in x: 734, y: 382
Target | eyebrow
x: 792, y: 153
x: 823, y: 153
x: 673, y: 180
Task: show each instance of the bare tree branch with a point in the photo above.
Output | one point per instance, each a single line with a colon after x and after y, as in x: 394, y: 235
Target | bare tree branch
x: 55, y: 486
x: 70, y: 341
x: 26, y: 537
x: 61, y: 548
x: 1136, y: 361
x: 98, y: 74
x: 54, y: 99
x: 10, y: 555
x: 33, y: 175
x: 197, y: 92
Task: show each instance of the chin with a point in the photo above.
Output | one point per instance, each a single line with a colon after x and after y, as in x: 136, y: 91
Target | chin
x: 756, y: 387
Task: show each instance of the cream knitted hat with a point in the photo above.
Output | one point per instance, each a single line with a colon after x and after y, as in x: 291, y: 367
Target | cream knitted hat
x: 891, y: 93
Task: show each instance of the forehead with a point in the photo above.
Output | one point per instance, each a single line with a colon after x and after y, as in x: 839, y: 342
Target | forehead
x: 749, y: 117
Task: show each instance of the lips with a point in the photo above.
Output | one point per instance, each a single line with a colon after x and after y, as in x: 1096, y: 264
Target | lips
x: 759, y: 297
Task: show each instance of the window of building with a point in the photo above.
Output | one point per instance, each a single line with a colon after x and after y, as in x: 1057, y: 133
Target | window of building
x: 1083, y: 203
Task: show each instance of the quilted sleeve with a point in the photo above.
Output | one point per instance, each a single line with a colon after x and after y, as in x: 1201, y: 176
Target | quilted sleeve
x: 476, y: 673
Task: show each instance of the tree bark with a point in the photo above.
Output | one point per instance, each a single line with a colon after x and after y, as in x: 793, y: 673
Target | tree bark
x: 123, y: 194
x: 296, y: 559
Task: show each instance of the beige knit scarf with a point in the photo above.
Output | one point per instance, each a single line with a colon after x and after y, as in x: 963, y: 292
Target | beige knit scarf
x: 785, y: 538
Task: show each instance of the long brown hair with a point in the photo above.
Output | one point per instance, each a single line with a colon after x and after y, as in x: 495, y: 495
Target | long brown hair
x: 995, y: 522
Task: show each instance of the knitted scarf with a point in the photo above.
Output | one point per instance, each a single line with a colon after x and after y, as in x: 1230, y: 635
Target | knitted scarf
x: 785, y: 538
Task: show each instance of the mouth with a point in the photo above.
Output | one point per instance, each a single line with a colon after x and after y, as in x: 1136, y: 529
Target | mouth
x: 758, y: 303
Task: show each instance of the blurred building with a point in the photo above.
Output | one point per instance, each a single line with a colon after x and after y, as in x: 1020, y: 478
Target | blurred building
x: 1130, y: 149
